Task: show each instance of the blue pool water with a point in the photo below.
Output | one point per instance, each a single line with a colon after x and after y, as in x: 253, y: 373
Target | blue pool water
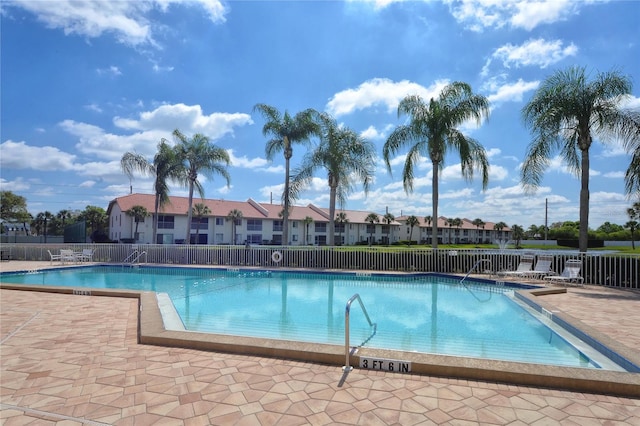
x: 430, y: 314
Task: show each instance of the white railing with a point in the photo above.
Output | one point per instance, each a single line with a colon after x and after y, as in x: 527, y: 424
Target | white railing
x: 607, y: 269
x: 347, y: 345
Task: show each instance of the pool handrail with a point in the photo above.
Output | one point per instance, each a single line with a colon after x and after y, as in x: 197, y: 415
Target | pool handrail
x: 356, y: 296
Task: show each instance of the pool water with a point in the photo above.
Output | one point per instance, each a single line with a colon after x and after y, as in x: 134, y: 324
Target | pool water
x: 430, y: 314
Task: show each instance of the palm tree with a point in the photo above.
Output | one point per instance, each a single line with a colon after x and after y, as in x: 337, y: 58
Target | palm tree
x: 63, y: 215
x: 478, y: 223
x: 200, y: 210
x: 450, y: 223
x: 199, y: 155
x: 499, y: 227
x: 634, y: 214
x: 428, y: 219
x: 285, y: 131
x: 518, y: 234
x: 42, y: 219
x: 166, y: 166
x: 457, y: 222
x: 565, y: 113
x: 432, y: 130
x: 346, y: 156
x: 138, y: 213
x: 388, y: 218
x: 234, y: 216
x: 372, y: 218
x: 632, y: 176
x: 308, y: 220
x: 341, y: 218
x: 412, y: 221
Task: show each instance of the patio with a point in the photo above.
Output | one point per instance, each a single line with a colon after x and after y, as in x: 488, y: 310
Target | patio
x: 75, y: 360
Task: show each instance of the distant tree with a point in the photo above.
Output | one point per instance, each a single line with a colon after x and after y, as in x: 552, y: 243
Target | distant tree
x: 346, y: 156
x: 411, y: 222
x: 634, y: 214
x: 234, y: 216
x: 97, y: 219
x: 42, y: 219
x: 518, y: 234
x: 341, y: 218
x: 388, y: 218
x: 566, y: 111
x: 478, y: 223
x: 199, y: 156
x: 286, y: 131
x: 632, y: 225
x: 200, y: 210
x: 12, y: 206
x: 499, y: 227
x: 138, y: 213
x: 428, y: 220
x: 372, y: 218
x: 457, y: 222
x: 166, y: 166
x: 308, y: 220
x: 432, y: 132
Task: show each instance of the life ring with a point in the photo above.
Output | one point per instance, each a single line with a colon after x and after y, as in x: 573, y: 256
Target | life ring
x: 276, y: 256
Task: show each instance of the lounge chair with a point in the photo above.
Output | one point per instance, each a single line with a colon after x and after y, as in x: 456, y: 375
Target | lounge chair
x: 570, y: 274
x: 526, y: 262
x: 542, y: 268
x: 68, y: 256
x: 54, y: 257
x: 85, y: 256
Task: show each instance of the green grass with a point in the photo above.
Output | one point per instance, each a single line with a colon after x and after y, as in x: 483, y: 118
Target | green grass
x: 523, y: 246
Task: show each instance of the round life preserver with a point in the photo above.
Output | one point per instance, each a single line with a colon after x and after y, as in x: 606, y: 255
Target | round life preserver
x: 276, y: 256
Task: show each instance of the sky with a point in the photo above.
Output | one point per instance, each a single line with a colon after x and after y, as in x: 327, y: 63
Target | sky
x: 83, y: 82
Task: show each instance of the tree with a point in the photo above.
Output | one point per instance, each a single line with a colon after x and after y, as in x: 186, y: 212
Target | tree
x: 428, y: 219
x: 12, y: 206
x: 518, y: 234
x: 411, y: 222
x: 341, y: 218
x: 632, y: 225
x: 372, y: 218
x: 566, y: 112
x: 41, y: 219
x: 346, y: 156
x: 499, y: 227
x: 138, y: 213
x: 234, y: 216
x: 478, y: 223
x: 97, y: 219
x: 432, y: 130
x: 388, y: 218
x: 308, y: 220
x: 634, y: 214
x: 457, y: 222
x: 63, y: 215
x: 285, y: 131
x: 166, y: 166
x: 199, y: 156
x: 199, y: 210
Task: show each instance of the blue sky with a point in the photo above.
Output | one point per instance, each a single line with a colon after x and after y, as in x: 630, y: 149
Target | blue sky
x: 84, y: 82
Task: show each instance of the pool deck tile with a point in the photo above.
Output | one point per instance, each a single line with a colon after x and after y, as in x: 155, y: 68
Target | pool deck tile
x: 73, y: 360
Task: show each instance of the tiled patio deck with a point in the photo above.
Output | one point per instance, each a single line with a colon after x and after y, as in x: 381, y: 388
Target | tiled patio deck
x: 75, y: 360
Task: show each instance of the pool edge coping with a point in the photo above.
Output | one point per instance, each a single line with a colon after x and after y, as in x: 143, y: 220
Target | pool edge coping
x: 151, y: 331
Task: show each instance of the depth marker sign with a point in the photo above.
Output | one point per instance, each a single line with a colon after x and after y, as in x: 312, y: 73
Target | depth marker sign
x: 385, y: 364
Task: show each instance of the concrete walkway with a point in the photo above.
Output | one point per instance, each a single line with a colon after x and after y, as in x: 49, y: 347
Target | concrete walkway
x: 73, y: 360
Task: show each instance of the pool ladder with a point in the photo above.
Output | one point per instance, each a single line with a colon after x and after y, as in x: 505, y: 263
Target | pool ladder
x: 347, y: 351
x: 135, y: 257
x: 474, y: 267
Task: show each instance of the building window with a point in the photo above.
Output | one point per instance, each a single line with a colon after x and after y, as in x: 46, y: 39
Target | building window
x: 201, y: 223
x: 254, y: 225
x: 371, y: 229
x: 254, y: 238
x: 294, y: 224
x: 219, y: 221
x: 321, y: 227
x: 164, y: 239
x: 277, y: 225
x: 339, y: 227
x: 294, y: 237
x: 321, y: 240
x: 165, y: 222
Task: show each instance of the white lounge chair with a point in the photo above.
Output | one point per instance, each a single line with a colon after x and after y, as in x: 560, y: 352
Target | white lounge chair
x: 570, y: 274
x: 68, y: 256
x: 541, y: 269
x: 526, y: 262
x: 85, y: 256
x: 54, y: 257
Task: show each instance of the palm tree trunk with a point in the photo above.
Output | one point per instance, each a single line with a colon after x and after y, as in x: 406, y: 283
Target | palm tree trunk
x: 332, y: 216
x: 155, y: 220
x: 434, y: 203
x: 187, y: 239
x: 583, y: 237
x: 285, y: 213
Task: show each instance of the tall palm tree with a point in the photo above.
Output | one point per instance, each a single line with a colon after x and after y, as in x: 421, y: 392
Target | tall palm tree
x: 138, y: 213
x: 428, y: 219
x: 499, y: 227
x: 634, y: 214
x: 518, y: 234
x: 234, y: 215
x: 285, y: 131
x: 42, y: 218
x: 372, y: 218
x: 165, y: 167
x: 388, y: 218
x: 199, y: 155
x: 565, y: 113
x: 308, y: 220
x: 63, y: 215
x: 478, y: 223
x: 457, y: 222
x: 346, y: 156
x: 412, y: 221
x: 432, y: 131
x: 341, y: 218
x: 200, y: 210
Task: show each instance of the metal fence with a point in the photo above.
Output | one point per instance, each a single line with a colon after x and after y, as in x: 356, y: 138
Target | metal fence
x: 608, y: 269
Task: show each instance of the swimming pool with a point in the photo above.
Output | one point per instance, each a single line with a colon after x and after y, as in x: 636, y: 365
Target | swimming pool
x: 422, y: 313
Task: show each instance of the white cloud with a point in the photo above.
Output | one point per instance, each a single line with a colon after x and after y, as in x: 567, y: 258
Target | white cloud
x: 371, y: 133
x: 480, y: 14
x: 614, y: 175
x: 112, y: 71
x: 257, y: 163
x: 512, y: 92
x: 380, y: 92
x: 16, y: 185
x: 128, y: 21
x: 19, y: 155
x: 538, y: 52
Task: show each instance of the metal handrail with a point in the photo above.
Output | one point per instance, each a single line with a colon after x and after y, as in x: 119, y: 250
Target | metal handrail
x: 347, y: 367
x: 136, y: 258
x: 474, y: 267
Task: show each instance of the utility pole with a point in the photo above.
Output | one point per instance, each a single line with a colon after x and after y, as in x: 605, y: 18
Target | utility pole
x: 546, y: 217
